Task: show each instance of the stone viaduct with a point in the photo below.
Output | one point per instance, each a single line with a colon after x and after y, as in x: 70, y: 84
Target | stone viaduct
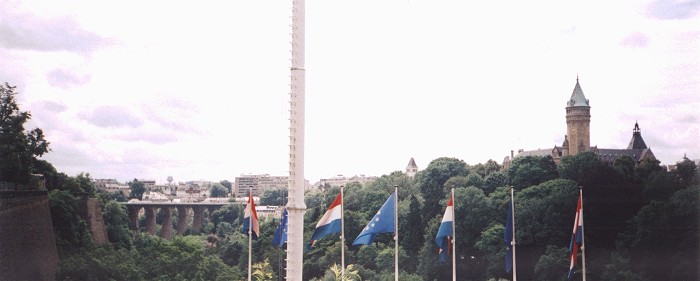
x: 184, y: 211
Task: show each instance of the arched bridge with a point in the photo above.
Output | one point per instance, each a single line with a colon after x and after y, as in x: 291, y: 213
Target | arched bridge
x: 184, y: 211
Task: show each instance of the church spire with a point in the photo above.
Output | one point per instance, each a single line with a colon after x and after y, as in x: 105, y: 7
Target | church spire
x: 577, y: 97
x: 637, y: 142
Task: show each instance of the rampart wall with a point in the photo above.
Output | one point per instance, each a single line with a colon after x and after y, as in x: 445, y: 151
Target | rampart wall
x: 27, y: 244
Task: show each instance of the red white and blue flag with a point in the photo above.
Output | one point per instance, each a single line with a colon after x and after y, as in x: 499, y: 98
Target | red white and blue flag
x: 444, y: 234
x: 330, y: 222
x: 250, y: 218
x: 576, y: 237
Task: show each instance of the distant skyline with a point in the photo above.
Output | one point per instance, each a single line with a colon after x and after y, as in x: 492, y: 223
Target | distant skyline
x: 199, y: 91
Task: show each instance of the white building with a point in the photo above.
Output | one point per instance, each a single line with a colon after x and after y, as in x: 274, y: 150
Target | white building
x: 341, y: 180
x: 258, y: 183
x: 111, y: 186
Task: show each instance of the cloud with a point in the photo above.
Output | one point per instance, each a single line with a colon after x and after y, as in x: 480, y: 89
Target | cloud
x: 149, y: 136
x: 673, y: 9
x: 66, y: 79
x: 51, y: 106
x: 107, y: 116
x: 635, y: 40
x: 30, y: 32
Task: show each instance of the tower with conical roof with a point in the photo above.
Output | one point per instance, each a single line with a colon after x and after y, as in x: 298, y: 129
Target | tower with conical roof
x: 637, y: 142
x: 578, y: 120
x: 411, y: 168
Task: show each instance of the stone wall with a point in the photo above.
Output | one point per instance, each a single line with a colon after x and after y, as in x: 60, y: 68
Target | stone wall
x: 91, y: 212
x: 27, y: 244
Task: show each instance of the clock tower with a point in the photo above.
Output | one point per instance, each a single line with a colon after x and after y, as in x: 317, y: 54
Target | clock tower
x: 578, y: 120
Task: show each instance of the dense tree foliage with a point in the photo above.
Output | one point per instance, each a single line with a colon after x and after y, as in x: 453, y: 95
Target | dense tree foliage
x: 18, y: 148
x: 642, y: 222
x: 274, y: 197
x: 218, y: 190
x: 137, y: 189
x: 531, y: 170
x: 639, y: 225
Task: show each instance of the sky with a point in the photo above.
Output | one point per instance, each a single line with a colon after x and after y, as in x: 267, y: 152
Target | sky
x: 199, y: 90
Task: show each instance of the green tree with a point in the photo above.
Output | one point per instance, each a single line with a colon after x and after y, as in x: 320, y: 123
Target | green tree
x: 491, y: 244
x: 486, y: 169
x: 493, y: 181
x: 262, y: 271
x: 70, y: 230
x: 531, y: 170
x: 585, y: 168
x: 274, y: 197
x: 646, y: 168
x: 554, y: 264
x: 218, y: 190
x: 667, y: 231
x: 431, y: 182
x: 137, y: 189
x: 405, y: 184
x: 411, y: 237
x: 116, y: 222
x: 227, y: 184
x: 625, y: 167
x: 685, y: 171
x: 350, y: 273
x: 18, y: 149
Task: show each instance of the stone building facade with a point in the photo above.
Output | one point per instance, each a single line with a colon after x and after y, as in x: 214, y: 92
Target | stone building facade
x: 578, y: 137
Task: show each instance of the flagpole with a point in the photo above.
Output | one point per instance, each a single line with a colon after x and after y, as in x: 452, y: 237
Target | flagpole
x: 512, y: 242
x: 342, y: 234
x: 396, y: 233
x: 454, y: 243
x: 583, y: 243
x: 250, y: 234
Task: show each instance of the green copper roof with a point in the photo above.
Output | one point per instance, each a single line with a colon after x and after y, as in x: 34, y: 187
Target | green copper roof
x: 577, y: 97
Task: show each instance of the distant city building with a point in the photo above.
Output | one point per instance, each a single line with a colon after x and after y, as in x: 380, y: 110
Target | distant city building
x: 148, y: 183
x: 683, y: 160
x: 341, y: 180
x: 111, y: 186
x: 259, y: 183
x: 578, y: 137
x: 411, y: 168
x: 200, y: 183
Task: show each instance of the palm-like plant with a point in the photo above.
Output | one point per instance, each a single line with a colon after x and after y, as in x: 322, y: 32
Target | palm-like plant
x: 262, y: 271
x: 350, y: 273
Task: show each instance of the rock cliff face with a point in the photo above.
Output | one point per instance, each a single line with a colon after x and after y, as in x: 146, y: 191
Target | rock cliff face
x: 27, y: 244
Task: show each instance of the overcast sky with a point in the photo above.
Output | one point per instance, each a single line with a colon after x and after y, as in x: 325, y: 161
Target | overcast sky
x: 199, y: 90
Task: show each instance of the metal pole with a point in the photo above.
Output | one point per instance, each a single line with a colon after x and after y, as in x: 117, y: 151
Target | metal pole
x: 512, y: 242
x: 396, y: 233
x: 342, y: 234
x: 454, y: 239
x: 583, y: 243
x: 250, y: 234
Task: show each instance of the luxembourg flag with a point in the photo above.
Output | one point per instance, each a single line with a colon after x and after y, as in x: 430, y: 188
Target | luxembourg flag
x: 250, y: 210
x: 444, y: 233
x: 576, y: 236
x: 330, y: 222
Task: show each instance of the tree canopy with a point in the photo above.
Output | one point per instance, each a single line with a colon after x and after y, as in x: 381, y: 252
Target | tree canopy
x: 18, y: 148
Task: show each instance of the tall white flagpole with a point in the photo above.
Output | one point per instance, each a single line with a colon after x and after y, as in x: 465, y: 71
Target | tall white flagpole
x: 250, y: 235
x: 512, y: 222
x: 342, y: 234
x: 454, y: 243
x: 583, y: 243
x: 295, y: 204
x: 396, y: 233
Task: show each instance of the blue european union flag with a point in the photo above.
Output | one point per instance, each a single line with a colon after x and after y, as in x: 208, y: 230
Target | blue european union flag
x: 382, y: 222
x: 508, y: 237
x: 281, y: 233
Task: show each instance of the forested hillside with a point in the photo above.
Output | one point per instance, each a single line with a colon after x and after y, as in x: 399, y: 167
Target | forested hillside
x: 641, y: 222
